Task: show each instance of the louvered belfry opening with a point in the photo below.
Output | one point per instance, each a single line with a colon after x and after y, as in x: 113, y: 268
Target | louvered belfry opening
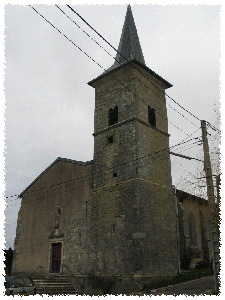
x: 113, y: 115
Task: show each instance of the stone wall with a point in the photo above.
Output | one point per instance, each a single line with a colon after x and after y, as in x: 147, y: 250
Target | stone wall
x: 194, y: 226
x: 134, y: 229
x: 47, y: 208
x: 133, y: 219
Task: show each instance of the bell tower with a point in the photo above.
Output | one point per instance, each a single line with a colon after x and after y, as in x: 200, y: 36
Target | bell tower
x: 133, y: 213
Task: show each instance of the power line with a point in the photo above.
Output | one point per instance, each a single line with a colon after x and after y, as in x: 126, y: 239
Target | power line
x: 131, y: 64
x: 79, y: 178
x: 83, y: 52
x: 213, y: 127
x: 83, y: 31
x: 71, y: 190
x: 197, y: 182
x: 50, y: 195
x: 116, y: 59
x: 194, y: 145
x: 103, y: 67
x: 182, y: 115
x: 105, y: 170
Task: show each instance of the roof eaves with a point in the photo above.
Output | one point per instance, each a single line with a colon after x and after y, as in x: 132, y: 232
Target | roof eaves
x: 193, y: 196
x: 57, y: 159
x: 111, y: 69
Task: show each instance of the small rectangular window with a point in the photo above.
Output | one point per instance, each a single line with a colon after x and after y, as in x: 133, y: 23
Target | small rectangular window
x: 110, y: 139
x: 151, y: 116
x: 181, y: 199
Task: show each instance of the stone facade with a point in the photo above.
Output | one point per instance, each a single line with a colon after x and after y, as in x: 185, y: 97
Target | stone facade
x: 111, y: 223
x: 47, y: 207
x: 194, y: 227
x: 135, y: 217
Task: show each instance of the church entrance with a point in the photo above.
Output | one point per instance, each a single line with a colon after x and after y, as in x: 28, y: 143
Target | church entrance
x: 56, y: 257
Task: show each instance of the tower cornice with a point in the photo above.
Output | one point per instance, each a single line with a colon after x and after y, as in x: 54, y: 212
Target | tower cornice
x: 131, y: 63
x: 128, y: 121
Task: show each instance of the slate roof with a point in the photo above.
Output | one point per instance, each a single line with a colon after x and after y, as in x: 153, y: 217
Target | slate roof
x: 129, y: 46
x: 129, y: 49
x: 57, y: 159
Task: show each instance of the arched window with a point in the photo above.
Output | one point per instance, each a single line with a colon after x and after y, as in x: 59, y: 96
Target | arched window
x: 113, y: 115
x: 151, y: 116
x: 192, y: 230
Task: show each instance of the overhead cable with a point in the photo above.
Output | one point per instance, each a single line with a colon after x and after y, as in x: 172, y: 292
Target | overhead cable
x: 102, y: 67
x: 128, y: 61
x: 108, y: 169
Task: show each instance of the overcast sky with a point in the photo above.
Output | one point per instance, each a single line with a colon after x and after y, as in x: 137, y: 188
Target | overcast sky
x: 49, y: 106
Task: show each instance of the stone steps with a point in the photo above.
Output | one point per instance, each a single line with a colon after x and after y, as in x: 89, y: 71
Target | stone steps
x: 54, y: 285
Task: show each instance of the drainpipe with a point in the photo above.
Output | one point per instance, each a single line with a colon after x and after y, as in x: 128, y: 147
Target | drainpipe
x: 177, y: 228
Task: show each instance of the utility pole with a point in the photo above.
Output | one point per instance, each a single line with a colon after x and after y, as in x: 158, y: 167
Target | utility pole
x: 212, y: 209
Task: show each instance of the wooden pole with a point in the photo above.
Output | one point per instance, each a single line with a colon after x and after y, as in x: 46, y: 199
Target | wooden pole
x: 212, y: 209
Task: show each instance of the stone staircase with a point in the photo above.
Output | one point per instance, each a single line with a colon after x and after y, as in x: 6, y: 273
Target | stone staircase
x: 54, y: 285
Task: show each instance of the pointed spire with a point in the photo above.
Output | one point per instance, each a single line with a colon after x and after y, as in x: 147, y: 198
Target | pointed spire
x: 129, y: 46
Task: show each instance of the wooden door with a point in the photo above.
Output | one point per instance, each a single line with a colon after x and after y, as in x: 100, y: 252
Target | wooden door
x: 56, y: 257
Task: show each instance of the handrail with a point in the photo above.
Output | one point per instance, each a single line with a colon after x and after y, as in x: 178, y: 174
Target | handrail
x: 64, y: 265
x: 40, y: 266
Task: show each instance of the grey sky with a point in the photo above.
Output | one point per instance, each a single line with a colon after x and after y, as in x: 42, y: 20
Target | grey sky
x: 50, y: 107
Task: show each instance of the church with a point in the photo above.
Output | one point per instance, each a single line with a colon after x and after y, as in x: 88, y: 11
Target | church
x: 116, y: 218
